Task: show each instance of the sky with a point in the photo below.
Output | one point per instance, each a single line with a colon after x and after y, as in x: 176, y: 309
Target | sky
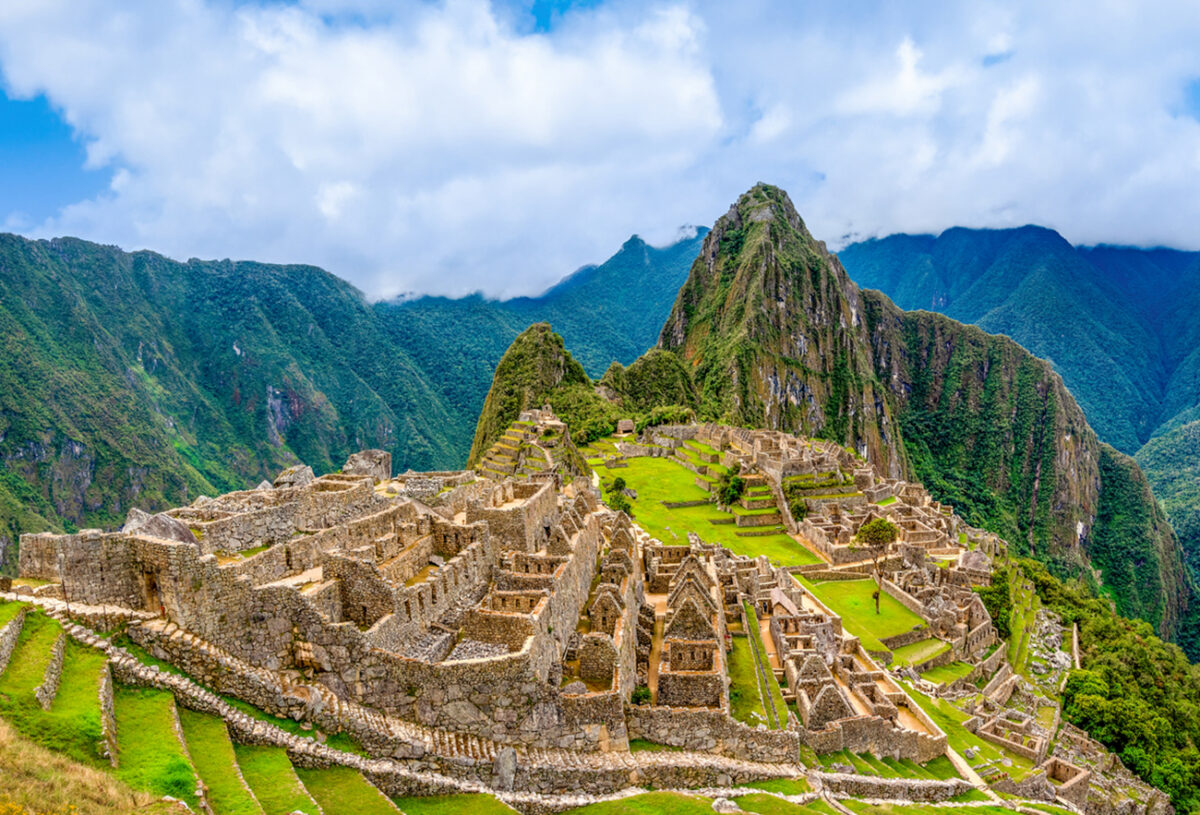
x: 461, y: 146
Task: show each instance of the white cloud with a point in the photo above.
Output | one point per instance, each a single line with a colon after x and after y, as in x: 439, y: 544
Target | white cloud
x: 448, y: 147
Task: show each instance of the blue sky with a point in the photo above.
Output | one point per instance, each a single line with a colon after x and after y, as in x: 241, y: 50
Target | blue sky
x: 454, y: 146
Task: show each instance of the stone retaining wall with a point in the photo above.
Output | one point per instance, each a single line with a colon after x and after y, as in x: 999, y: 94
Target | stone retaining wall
x: 108, y: 719
x: 905, y: 599
x: 9, y: 635
x: 907, y: 789
x: 46, y: 691
x: 711, y: 731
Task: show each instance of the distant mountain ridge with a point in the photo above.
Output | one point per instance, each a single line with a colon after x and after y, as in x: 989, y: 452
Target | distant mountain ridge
x: 132, y: 379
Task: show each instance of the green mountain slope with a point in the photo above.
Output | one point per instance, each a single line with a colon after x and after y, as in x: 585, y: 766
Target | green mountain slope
x: 1116, y: 322
x: 130, y: 379
x: 775, y: 334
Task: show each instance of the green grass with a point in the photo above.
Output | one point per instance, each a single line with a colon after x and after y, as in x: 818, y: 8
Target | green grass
x: 151, y: 755
x: 343, y: 791
x: 1021, y: 625
x: 453, y: 804
x: 212, y: 754
x: 661, y: 479
x: 770, y: 805
x: 774, y: 693
x: 8, y: 611
x: 948, y: 672
x: 784, y: 786
x: 852, y: 601
x: 652, y: 803
x: 973, y: 795
x: 942, y: 768
x: 644, y: 746
x: 745, y: 700
x: 919, y: 651
x: 72, y: 725
x: 270, y: 775
x: 891, y: 499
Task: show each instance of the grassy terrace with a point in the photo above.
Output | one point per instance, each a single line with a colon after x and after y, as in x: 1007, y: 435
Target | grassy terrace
x: 72, y: 725
x: 212, y: 753
x: 852, y: 601
x: 745, y: 697
x: 343, y: 791
x: 919, y: 651
x: 151, y: 756
x: 1024, y: 615
x: 269, y: 774
x: 947, y: 673
x: 660, y: 479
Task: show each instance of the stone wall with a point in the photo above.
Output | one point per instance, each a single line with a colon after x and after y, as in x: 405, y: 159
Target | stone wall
x: 712, y: 731
x: 46, y: 691
x: 9, y: 635
x: 108, y: 719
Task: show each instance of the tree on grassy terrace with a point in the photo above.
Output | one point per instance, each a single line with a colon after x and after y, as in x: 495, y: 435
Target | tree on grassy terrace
x: 877, y: 533
x: 997, y: 599
x: 730, y: 487
x: 618, y: 502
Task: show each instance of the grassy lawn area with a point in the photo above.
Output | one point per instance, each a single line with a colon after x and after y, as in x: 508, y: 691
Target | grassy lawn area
x: 652, y: 803
x: 922, y: 809
x: 784, y: 786
x: 8, y: 611
x: 852, y: 601
x: 660, y: 479
x: 1024, y: 613
x: 151, y: 756
x: 770, y: 805
x: 212, y: 754
x: 270, y: 775
x: 774, y: 693
x: 950, y: 719
x: 745, y: 700
x: 343, y: 791
x: 454, y: 804
x: 919, y: 651
x: 948, y: 672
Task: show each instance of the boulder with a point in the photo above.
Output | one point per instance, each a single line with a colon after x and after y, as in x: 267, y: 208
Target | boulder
x: 725, y: 805
x: 375, y: 463
x: 158, y: 526
x: 296, y: 476
x: 264, y: 485
x: 504, y: 769
x: 576, y: 688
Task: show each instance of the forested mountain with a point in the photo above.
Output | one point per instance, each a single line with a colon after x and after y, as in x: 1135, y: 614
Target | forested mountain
x: 1118, y: 323
x: 131, y: 379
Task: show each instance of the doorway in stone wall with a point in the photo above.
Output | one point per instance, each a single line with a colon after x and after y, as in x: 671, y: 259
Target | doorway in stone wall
x: 150, y: 593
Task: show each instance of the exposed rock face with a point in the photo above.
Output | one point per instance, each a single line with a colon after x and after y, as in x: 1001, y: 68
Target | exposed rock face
x: 375, y: 463
x: 296, y: 476
x: 159, y: 526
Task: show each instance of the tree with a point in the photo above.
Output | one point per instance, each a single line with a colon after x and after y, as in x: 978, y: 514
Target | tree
x: 618, y: 485
x: 877, y: 532
x: 617, y: 501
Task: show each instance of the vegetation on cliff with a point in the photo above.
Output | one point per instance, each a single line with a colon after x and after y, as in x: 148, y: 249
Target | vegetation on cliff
x: 777, y: 335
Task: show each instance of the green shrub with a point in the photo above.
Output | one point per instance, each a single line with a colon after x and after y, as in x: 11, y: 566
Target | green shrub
x: 641, y: 695
x: 877, y: 532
